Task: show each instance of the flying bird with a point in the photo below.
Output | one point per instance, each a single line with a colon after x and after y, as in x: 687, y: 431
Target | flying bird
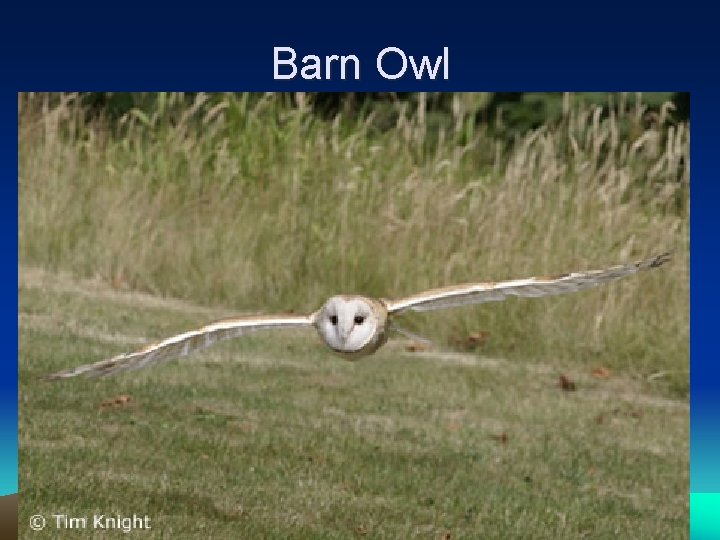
x: 354, y: 326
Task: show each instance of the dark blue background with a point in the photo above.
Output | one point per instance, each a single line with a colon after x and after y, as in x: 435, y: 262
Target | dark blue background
x: 501, y: 46
x: 496, y: 46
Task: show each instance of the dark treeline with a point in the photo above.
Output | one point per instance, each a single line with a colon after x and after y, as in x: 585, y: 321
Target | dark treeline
x: 503, y: 113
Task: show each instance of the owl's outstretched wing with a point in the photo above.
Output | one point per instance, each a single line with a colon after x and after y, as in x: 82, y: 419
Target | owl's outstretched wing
x: 475, y: 293
x: 186, y: 343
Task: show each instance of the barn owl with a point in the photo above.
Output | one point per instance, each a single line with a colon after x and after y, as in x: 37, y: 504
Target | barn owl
x: 354, y: 326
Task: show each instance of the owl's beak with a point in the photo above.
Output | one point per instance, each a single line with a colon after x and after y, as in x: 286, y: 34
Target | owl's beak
x: 345, y: 332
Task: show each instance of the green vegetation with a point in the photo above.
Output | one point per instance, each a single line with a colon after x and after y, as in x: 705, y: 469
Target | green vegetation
x: 271, y: 437
x: 252, y: 204
x: 140, y: 223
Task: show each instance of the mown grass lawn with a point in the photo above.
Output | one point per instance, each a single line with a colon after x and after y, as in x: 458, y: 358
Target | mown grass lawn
x: 274, y: 437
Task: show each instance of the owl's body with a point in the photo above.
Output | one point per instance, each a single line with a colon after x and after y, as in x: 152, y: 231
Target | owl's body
x: 355, y: 326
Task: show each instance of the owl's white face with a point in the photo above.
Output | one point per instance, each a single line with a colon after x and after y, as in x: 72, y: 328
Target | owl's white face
x: 346, y: 324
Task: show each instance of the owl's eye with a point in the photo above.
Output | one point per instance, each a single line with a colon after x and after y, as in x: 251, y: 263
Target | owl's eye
x: 359, y: 319
x: 333, y: 319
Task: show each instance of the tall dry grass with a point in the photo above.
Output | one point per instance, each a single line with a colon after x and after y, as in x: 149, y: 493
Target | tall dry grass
x: 254, y: 204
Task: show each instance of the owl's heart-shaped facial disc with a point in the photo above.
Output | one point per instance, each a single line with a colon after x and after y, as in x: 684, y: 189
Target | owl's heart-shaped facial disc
x: 347, y: 323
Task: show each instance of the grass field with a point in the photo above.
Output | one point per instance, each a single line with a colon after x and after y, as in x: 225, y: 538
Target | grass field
x: 274, y: 437
x: 247, y: 203
x: 134, y: 228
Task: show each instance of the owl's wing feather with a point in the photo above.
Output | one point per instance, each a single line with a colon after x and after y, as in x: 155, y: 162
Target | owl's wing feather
x: 185, y: 343
x: 475, y: 293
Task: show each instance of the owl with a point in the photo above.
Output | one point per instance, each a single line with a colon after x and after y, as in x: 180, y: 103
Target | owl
x: 354, y: 326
